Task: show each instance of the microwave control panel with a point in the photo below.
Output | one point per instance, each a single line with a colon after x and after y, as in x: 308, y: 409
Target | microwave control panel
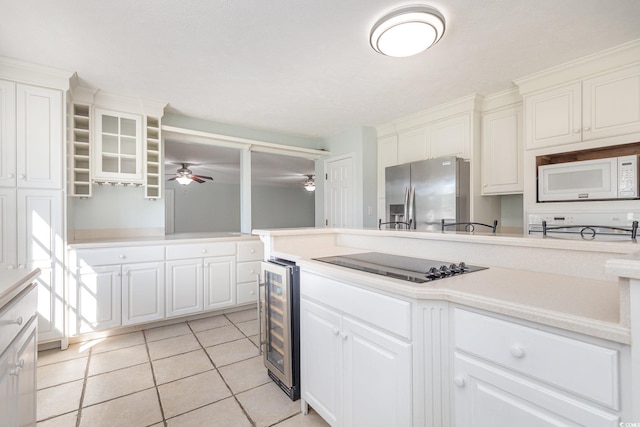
x: 628, y: 177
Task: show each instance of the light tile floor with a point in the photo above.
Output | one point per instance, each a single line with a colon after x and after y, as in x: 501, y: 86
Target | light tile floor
x: 205, y: 372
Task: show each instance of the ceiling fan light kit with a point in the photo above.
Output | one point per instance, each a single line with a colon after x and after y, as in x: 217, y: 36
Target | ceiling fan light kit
x: 407, y: 31
x: 184, y: 176
x: 310, y: 183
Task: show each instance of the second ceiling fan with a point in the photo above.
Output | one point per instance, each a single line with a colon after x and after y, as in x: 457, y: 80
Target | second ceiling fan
x: 184, y: 175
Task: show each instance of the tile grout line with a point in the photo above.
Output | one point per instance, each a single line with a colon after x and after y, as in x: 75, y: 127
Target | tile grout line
x: 84, y: 387
x: 153, y: 376
x: 246, y: 414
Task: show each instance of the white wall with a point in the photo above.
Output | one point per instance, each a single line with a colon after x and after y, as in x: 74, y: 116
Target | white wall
x: 116, y: 207
x: 206, y: 207
x: 282, y: 207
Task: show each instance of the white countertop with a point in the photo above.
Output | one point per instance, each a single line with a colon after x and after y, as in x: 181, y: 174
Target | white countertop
x: 12, y: 282
x: 581, y: 304
x: 158, y: 240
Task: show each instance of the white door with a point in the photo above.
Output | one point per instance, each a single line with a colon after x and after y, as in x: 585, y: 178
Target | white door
x: 377, y: 377
x: 219, y: 282
x: 142, y: 292
x: 99, y: 298
x: 321, y: 360
x: 184, y: 286
x: 340, y: 193
x: 39, y: 136
x: 7, y: 134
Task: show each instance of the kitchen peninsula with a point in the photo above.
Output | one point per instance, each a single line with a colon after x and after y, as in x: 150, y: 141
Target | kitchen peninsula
x: 545, y: 333
x: 132, y: 281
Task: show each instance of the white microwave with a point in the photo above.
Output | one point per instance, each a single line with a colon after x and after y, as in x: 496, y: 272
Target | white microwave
x: 600, y: 179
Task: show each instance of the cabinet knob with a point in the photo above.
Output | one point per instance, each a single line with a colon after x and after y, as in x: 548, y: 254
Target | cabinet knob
x: 10, y: 175
x: 587, y: 129
x: 252, y: 292
x: 485, y: 185
x: 10, y: 267
x: 18, y: 321
x: 459, y: 381
x: 21, y: 176
x: 517, y: 351
x: 17, y: 368
x: 253, y: 251
x: 21, y: 266
x: 204, y: 251
x: 336, y: 331
x: 576, y: 131
x: 252, y: 272
x: 345, y: 336
x: 122, y: 256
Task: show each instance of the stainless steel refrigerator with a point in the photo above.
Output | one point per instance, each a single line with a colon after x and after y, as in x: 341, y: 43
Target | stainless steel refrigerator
x: 426, y: 192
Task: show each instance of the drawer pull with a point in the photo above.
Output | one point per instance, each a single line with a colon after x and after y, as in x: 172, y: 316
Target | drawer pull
x: 345, y: 336
x: 10, y: 267
x: 517, y: 351
x: 253, y: 251
x: 336, y: 331
x: 459, y: 381
x: 18, y: 321
x: 122, y: 256
x: 204, y: 251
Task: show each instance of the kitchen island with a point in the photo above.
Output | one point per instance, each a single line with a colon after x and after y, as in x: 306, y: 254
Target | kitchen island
x: 546, y: 322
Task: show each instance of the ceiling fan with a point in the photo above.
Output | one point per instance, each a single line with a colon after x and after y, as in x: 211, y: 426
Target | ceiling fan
x: 184, y: 175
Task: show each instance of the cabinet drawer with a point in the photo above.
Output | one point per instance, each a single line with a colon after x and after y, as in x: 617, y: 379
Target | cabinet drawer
x: 388, y: 313
x: 250, y: 251
x: 246, y: 293
x: 15, y: 315
x: 582, y: 368
x: 109, y: 256
x: 200, y: 250
x: 247, y: 271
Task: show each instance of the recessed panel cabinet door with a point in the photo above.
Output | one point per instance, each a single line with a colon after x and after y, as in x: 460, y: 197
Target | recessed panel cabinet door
x: 39, y: 135
x: 99, y: 298
x: 321, y: 360
x: 184, y: 286
x: 377, y: 377
x: 142, y: 292
x: 219, y: 282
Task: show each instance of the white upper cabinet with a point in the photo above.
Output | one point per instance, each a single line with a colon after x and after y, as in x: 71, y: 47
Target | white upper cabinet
x: 600, y: 107
x: 118, y: 147
x: 31, y: 136
x: 553, y: 117
x: 611, y: 104
x: 502, y: 151
x: 413, y: 145
x: 451, y: 137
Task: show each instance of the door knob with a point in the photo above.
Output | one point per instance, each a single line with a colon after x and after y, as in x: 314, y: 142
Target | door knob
x: 459, y: 381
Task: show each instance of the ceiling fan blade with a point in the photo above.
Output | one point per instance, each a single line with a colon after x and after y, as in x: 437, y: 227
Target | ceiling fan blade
x: 171, y: 179
x: 203, y: 177
x: 196, y: 179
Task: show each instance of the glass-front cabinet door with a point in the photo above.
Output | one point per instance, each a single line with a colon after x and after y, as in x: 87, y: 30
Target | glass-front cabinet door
x: 118, y: 154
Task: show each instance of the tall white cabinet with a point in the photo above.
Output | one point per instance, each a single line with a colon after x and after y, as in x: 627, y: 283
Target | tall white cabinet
x: 32, y: 188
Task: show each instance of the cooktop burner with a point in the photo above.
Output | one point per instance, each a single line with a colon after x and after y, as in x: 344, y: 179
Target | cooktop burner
x: 401, y: 267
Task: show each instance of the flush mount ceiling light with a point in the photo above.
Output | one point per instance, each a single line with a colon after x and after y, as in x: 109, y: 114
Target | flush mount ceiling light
x: 407, y: 31
x: 310, y: 183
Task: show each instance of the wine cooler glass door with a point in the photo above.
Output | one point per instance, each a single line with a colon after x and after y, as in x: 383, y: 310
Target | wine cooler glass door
x: 276, y: 321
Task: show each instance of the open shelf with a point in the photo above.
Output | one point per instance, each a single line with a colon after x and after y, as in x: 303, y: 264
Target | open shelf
x: 153, y: 161
x: 81, y: 151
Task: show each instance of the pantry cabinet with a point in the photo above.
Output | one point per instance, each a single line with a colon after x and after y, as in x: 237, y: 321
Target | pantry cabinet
x: 507, y: 371
x: 354, y: 373
x: 502, y: 152
x: 603, y: 106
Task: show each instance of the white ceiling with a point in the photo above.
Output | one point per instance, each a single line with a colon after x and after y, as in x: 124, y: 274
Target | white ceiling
x: 303, y: 67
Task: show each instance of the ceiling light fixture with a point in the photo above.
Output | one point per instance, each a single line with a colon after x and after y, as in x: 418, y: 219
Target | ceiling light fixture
x: 310, y: 183
x: 407, y: 31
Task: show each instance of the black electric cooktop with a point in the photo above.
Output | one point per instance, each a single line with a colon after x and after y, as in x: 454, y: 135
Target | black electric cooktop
x: 414, y: 270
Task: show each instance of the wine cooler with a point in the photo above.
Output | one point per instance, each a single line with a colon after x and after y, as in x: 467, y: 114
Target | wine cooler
x: 279, y: 314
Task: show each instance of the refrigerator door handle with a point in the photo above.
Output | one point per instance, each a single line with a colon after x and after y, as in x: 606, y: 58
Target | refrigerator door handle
x: 406, y: 206
x: 412, y: 217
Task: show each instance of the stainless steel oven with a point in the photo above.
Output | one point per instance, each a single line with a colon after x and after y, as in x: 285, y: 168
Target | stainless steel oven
x: 279, y: 314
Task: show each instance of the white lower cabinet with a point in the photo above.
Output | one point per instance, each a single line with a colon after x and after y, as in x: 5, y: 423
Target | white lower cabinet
x: 352, y: 374
x: 99, y: 298
x: 509, y: 374
x: 249, y: 256
x: 184, y: 286
x: 142, y: 292
x: 18, y: 354
x: 219, y: 282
